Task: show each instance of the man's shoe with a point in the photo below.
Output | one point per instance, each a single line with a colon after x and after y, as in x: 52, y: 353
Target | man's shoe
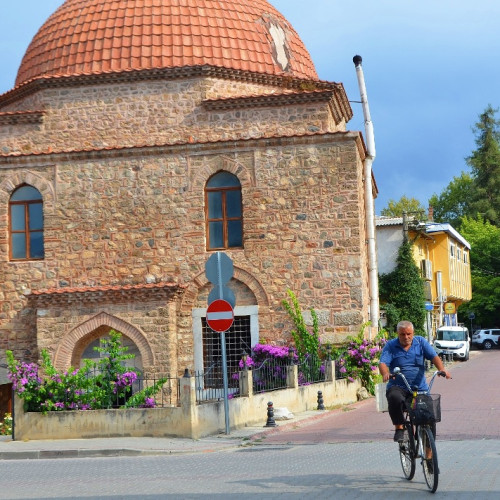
x: 399, y: 435
x: 430, y: 466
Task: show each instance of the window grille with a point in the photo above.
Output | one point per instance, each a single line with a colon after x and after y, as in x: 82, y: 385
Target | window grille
x: 238, y: 339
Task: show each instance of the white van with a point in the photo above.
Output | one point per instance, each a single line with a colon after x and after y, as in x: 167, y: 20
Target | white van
x: 453, y: 340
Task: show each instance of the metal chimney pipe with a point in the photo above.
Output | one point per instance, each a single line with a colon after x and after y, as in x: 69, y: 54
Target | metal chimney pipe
x: 369, y: 203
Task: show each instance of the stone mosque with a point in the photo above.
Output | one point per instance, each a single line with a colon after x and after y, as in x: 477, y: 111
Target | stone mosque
x: 143, y: 136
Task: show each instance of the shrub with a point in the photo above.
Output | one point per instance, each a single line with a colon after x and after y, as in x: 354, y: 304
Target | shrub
x: 6, y: 425
x: 95, y: 386
x: 360, y: 359
x: 306, y: 342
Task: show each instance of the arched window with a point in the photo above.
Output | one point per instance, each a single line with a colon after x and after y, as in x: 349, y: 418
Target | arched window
x: 223, y: 212
x: 26, y: 224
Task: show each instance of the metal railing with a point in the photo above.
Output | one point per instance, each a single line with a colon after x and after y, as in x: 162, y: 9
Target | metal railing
x: 167, y: 395
x: 210, y: 387
x: 311, y: 370
x: 271, y: 375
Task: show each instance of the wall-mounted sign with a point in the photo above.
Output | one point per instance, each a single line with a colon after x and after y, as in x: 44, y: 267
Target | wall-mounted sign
x: 449, y: 308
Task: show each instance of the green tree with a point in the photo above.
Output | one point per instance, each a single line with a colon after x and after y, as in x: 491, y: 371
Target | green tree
x: 485, y: 270
x: 404, y: 204
x: 402, y: 291
x: 485, y: 166
x: 111, y: 366
x: 455, y: 201
x: 305, y: 342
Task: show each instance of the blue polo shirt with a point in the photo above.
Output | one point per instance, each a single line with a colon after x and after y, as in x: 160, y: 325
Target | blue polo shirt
x: 411, y: 361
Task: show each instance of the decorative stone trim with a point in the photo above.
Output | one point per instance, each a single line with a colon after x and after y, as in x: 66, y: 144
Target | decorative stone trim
x: 205, y: 71
x: 269, y: 100
x: 200, y: 280
x: 98, y: 294
x: 20, y: 117
x: 188, y: 148
x: 64, y: 353
x: 45, y: 187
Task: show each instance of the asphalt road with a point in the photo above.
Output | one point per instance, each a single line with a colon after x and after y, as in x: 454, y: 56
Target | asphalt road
x: 344, y: 454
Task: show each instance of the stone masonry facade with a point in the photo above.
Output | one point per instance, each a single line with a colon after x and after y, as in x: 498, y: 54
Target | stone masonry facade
x: 122, y: 166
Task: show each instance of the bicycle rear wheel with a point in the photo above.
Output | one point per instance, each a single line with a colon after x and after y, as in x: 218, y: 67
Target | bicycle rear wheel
x: 406, y: 452
x: 430, y: 459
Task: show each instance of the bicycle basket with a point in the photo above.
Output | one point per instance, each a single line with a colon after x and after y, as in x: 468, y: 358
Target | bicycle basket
x: 424, y: 408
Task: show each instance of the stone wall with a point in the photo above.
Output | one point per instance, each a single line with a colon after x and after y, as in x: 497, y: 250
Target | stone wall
x: 124, y: 205
x: 156, y: 112
x: 121, y: 220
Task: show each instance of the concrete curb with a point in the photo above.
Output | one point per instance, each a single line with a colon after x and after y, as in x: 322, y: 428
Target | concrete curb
x: 121, y: 447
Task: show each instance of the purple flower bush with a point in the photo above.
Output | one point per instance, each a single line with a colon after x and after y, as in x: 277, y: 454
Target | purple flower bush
x: 360, y: 360
x: 105, y: 384
x: 269, y: 364
x: 124, y: 381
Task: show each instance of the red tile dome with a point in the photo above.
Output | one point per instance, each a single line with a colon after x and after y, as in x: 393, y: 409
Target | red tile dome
x: 85, y: 37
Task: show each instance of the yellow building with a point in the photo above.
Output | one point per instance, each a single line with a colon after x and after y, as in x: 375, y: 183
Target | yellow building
x: 442, y: 255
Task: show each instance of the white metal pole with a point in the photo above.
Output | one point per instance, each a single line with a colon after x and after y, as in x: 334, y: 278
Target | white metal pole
x: 369, y: 203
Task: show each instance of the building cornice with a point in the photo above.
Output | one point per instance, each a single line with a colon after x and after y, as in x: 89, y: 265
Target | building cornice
x: 21, y: 117
x: 186, y: 148
x: 204, y: 71
x: 97, y: 294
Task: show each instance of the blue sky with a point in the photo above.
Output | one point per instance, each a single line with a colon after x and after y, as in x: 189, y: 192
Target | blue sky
x: 431, y: 67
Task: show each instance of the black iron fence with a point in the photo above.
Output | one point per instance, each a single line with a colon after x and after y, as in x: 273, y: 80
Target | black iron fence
x: 167, y: 395
x: 311, y: 370
x: 271, y: 375
x: 211, y: 388
x: 141, y: 394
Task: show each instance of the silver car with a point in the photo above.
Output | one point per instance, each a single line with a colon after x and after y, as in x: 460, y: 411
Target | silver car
x: 486, y: 339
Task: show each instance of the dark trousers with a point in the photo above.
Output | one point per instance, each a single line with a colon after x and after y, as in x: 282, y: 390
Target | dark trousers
x: 396, y: 399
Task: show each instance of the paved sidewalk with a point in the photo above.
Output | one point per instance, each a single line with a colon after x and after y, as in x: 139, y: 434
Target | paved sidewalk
x: 134, y: 446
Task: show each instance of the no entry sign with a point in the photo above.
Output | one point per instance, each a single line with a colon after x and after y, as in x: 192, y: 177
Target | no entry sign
x: 220, y: 315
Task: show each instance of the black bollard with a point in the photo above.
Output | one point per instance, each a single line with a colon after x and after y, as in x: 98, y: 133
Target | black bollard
x: 270, y: 415
x: 321, y: 406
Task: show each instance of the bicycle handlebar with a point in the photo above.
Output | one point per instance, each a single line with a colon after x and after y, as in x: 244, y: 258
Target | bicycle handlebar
x: 397, y: 372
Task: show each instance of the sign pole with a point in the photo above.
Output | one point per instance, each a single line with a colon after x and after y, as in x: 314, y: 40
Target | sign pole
x: 225, y: 381
x: 220, y: 312
x: 220, y: 317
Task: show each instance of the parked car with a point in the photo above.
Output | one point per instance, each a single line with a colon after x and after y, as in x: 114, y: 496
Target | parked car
x: 453, y: 340
x: 486, y: 339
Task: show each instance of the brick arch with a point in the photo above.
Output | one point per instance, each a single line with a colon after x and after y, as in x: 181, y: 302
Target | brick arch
x: 191, y: 293
x: 72, y: 339
x: 218, y: 164
x: 13, y: 181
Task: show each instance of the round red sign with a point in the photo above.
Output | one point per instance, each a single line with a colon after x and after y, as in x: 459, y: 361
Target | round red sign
x: 220, y: 315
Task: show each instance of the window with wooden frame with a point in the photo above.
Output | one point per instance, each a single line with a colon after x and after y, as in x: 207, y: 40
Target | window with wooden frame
x: 223, y: 212
x: 26, y: 224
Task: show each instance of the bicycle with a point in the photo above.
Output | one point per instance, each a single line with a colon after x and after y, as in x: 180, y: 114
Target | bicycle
x: 422, y: 411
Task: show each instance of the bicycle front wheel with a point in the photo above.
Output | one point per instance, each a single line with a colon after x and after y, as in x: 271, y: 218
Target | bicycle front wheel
x: 407, y: 453
x: 430, y: 459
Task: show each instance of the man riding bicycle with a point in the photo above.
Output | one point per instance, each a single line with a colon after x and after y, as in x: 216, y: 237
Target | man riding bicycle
x: 409, y: 353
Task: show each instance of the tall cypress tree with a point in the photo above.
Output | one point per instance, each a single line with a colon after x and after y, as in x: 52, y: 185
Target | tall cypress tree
x: 485, y: 165
x: 403, y: 290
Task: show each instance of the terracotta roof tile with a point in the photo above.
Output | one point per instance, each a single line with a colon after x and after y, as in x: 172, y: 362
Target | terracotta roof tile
x: 181, y: 29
